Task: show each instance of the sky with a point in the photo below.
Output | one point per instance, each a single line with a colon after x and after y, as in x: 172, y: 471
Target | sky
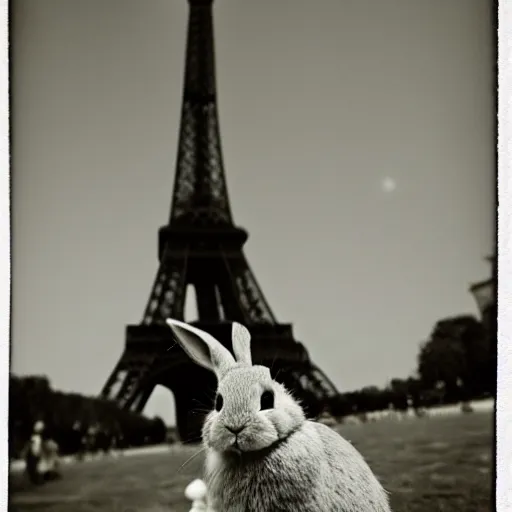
x: 358, y: 142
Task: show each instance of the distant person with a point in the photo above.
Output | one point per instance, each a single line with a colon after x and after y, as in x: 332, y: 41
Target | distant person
x: 34, y: 454
x: 78, y: 440
x: 50, y: 460
x: 92, y: 440
x: 103, y: 441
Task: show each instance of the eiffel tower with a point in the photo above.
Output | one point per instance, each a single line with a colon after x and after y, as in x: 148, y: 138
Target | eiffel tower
x: 201, y: 247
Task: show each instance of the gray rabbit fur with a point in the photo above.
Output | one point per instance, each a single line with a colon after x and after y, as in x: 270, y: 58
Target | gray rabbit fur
x: 262, y: 455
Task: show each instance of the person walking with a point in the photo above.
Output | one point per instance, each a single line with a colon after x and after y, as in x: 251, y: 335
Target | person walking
x: 34, y: 454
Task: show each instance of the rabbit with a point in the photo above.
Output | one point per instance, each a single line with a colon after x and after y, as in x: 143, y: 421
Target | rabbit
x: 262, y: 454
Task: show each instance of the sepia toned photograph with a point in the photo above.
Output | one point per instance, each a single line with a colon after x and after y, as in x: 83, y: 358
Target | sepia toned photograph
x: 254, y: 261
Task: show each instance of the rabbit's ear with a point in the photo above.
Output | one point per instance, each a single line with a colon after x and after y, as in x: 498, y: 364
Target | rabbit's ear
x: 202, y: 347
x: 241, y: 339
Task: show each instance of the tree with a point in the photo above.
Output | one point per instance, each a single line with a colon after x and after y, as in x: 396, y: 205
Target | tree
x: 371, y: 398
x: 399, y: 394
x: 415, y: 392
x: 67, y: 417
x: 441, y: 361
x: 158, y: 430
x: 455, y: 355
x: 340, y: 405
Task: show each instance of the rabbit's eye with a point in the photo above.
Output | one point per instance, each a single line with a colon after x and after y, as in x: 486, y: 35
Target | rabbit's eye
x: 219, y: 402
x: 267, y: 400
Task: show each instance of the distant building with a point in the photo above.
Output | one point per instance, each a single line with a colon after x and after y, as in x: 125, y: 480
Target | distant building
x: 485, y: 293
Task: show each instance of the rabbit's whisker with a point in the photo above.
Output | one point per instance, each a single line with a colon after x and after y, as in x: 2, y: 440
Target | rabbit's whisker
x: 190, y: 459
x: 201, y: 404
x: 273, y: 361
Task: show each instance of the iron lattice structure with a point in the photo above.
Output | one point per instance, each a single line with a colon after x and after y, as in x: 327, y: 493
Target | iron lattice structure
x: 201, y: 247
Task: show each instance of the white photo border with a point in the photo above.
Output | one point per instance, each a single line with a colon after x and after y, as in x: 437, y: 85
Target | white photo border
x: 504, y: 394
x: 5, y: 249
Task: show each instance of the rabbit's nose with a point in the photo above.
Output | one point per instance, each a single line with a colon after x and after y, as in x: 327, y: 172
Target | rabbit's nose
x: 235, y: 430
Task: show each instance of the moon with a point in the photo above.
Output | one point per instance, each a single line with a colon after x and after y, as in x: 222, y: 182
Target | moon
x: 388, y: 185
